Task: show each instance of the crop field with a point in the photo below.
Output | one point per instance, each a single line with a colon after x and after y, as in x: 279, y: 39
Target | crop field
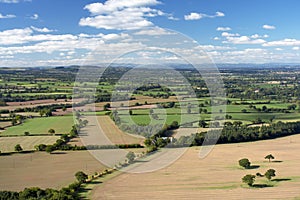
x: 217, y: 176
x: 61, y: 124
x: 7, y: 144
x: 44, y: 170
x: 115, y: 134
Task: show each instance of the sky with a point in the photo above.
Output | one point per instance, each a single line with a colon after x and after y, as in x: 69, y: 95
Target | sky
x: 68, y: 32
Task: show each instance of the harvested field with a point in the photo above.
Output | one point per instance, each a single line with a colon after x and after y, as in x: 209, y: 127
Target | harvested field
x: 7, y: 144
x: 44, y: 170
x: 217, y: 176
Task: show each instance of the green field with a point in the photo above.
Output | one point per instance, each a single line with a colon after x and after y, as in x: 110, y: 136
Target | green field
x: 41, y: 126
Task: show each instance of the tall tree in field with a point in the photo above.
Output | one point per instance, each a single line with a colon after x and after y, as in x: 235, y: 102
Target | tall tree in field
x: 270, y: 173
x: 249, y: 179
x: 245, y: 163
x: 18, y: 148
x: 269, y: 157
x: 51, y: 131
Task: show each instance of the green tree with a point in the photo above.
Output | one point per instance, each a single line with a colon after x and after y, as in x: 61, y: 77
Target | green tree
x: 269, y: 157
x: 81, y: 177
x: 245, y: 163
x: 202, y: 123
x: 249, y: 179
x: 270, y: 173
x: 26, y: 133
x: 50, y: 148
x: 51, y: 131
x: 18, y: 148
x: 130, y: 156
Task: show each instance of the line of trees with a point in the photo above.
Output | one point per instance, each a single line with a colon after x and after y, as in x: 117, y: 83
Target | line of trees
x: 234, y: 133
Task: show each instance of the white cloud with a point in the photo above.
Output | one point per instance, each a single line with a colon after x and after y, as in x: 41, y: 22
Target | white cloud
x: 7, y: 16
x: 256, y: 36
x: 121, y: 14
x: 243, y: 40
x: 216, y: 38
x: 226, y: 34
x: 296, y: 48
x: 42, y: 30
x: 268, y: 27
x: 34, y: 16
x: 197, y: 16
x: 278, y: 49
x: 193, y: 16
x: 236, y: 38
x: 154, y: 31
x: 223, y: 29
x: 284, y: 42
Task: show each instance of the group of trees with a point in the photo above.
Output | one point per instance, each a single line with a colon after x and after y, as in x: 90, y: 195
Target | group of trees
x: 249, y: 179
x: 233, y: 133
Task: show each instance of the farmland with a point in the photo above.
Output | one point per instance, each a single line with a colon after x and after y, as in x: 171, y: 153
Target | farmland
x: 257, y: 102
x: 44, y: 170
x: 217, y: 176
x: 41, y: 126
x: 7, y: 144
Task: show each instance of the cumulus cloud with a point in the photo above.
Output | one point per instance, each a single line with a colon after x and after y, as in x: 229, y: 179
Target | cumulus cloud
x: 236, y: 38
x: 268, y: 27
x: 7, y: 16
x: 42, y: 30
x: 296, y: 48
x: 197, y: 16
x: 284, y: 42
x: 122, y: 14
x: 223, y: 29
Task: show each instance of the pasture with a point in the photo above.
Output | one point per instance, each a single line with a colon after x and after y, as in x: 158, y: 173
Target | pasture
x: 217, y: 176
x: 61, y: 125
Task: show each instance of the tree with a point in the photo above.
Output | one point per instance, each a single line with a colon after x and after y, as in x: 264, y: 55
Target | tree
x: 40, y: 147
x: 270, y: 173
x: 51, y: 131
x: 202, y: 123
x: 130, y: 112
x: 269, y: 157
x: 81, y: 177
x: 50, y: 148
x: 244, y: 163
x: 130, y: 156
x: 249, y: 179
x: 26, y: 133
x: 18, y: 148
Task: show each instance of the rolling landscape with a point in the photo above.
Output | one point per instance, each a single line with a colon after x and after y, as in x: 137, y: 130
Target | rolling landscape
x: 148, y: 99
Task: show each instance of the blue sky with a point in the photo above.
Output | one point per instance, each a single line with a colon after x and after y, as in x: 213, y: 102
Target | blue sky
x: 64, y: 32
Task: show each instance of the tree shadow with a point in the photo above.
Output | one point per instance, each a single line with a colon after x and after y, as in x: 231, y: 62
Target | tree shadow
x: 95, y: 182
x: 261, y: 185
x: 281, y: 179
x: 58, y: 153
x: 277, y: 161
x: 253, y: 167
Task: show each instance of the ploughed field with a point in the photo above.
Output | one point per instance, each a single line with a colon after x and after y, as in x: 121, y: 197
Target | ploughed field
x: 217, y: 176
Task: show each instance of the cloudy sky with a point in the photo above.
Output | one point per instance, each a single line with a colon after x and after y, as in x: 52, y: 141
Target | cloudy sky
x: 65, y: 32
